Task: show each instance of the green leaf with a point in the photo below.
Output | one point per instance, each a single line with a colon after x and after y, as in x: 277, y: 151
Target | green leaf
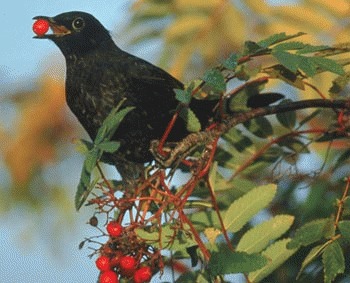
x: 215, y: 79
x: 183, y: 96
x: 243, y: 209
x: 91, y: 159
x: 260, y: 126
x: 339, y: 83
x: 312, y: 255
x: 258, y: 238
x: 83, y: 146
x: 276, y: 38
x: 344, y: 228
x: 290, y: 61
x: 280, y: 72
x: 212, y: 175
x: 333, y: 261
x: 252, y: 48
x: 192, y: 122
x: 111, y: 123
x: 287, y: 119
x: 238, y: 139
x: 231, y: 62
x: 312, y: 232
x: 328, y: 65
x: 227, y: 262
x: 276, y: 254
x: 294, y: 144
x: 84, y: 187
x: 292, y: 45
x: 170, y: 238
x: 109, y: 146
x: 312, y: 48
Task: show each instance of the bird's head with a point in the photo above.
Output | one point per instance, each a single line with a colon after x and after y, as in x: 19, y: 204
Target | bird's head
x: 76, y: 33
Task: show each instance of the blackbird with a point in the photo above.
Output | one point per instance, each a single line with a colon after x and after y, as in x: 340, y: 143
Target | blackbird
x: 99, y: 75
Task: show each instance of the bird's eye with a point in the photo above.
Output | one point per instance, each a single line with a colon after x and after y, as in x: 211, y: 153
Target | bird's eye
x: 78, y: 23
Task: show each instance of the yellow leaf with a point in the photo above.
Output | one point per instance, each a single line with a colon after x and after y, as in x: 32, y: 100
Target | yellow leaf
x: 212, y: 234
x: 259, y: 7
x: 185, y: 26
x: 305, y: 18
x: 196, y: 5
x: 338, y: 8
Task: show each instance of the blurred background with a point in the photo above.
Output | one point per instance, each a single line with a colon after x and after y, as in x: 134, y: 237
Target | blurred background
x: 39, y: 167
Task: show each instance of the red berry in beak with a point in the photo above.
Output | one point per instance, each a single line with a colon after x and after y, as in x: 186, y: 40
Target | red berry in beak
x: 40, y: 27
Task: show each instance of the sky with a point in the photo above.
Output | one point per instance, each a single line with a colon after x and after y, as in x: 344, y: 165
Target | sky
x: 26, y: 256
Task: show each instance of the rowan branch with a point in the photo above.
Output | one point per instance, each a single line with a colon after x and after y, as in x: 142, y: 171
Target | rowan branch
x: 180, y: 150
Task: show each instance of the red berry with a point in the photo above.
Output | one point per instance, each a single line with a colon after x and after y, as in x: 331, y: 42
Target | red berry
x: 143, y: 274
x: 103, y: 263
x: 114, y: 229
x: 116, y: 259
x: 127, y: 265
x: 109, y: 277
x: 40, y: 27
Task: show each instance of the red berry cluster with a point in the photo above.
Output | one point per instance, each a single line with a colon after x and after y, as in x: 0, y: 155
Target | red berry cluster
x: 123, y: 266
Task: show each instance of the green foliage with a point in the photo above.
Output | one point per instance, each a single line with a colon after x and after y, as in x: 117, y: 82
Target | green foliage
x: 243, y: 209
x: 276, y: 254
x: 95, y: 151
x: 258, y: 238
x: 333, y: 261
x: 226, y: 262
x: 312, y: 232
x: 215, y: 79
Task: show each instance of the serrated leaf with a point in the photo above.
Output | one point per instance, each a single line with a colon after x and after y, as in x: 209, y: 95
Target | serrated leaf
x: 111, y: 123
x: 333, y: 261
x: 276, y: 38
x: 290, y: 61
x: 183, y: 96
x: 287, y: 119
x: 84, y: 187
x: 328, y: 65
x: 231, y: 62
x: 344, y: 228
x: 109, y: 146
x: 252, y: 48
x: 258, y: 238
x: 312, y: 48
x: 260, y: 126
x: 215, y: 79
x: 312, y: 255
x: 227, y: 262
x: 293, y: 45
x: 192, y: 123
x: 91, y: 159
x: 276, y: 254
x: 312, y: 232
x: 243, y: 209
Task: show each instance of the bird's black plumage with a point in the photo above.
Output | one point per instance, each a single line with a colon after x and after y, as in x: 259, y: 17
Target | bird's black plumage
x: 99, y: 75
